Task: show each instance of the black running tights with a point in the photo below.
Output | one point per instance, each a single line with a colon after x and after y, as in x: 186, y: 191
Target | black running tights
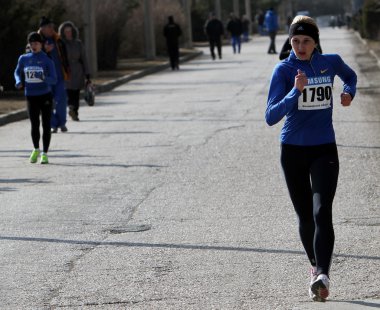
x: 218, y: 43
x: 73, y: 99
x: 40, y: 105
x: 311, y: 174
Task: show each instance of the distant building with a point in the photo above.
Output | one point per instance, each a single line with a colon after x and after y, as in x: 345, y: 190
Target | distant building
x: 305, y: 13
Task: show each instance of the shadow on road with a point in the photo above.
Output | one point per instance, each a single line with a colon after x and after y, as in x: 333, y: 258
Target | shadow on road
x: 19, y: 181
x: 109, y: 165
x: 357, y: 302
x: 36, y: 181
x: 110, y: 132
x: 175, y: 246
x: 359, y: 146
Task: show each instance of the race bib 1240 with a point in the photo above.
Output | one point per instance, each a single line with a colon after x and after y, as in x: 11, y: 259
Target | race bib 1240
x: 34, y: 74
x: 315, y: 97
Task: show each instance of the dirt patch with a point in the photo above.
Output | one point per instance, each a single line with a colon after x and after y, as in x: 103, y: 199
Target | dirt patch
x: 374, y: 45
x: 9, y: 105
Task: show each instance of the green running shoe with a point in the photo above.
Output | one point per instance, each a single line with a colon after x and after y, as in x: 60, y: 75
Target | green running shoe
x: 44, y: 159
x: 34, y: 156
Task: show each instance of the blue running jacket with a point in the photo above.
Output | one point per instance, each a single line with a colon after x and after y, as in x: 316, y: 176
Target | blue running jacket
x: 308, y: 113
x: 36, y: 72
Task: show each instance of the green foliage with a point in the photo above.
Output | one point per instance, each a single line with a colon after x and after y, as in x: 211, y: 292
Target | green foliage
x: 111, y: 16
x: 12, y: 37
x: 371, y: 6
x: 199, y: 14
x: 371, y: 19
x: 17, y: 19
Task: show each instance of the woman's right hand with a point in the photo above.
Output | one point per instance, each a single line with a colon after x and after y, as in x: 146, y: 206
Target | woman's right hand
x: 300, y: 81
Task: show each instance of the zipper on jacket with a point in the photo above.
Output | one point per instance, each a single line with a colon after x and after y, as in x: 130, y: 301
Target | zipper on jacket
x: 312, y: 68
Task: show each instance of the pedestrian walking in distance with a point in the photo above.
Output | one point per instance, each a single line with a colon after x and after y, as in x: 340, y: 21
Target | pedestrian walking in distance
x: 56, y: 50
x: 235, y: 28
x: 271, y: 25
x: 78, y: 66
x: 301, y: 91
x: 214, y: 30
x: 172, y: 32
x: 246, y: 27
x: 260, y: 22
x: 35, y: 72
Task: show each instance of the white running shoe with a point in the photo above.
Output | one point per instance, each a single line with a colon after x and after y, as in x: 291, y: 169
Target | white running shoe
x: 313, y: 277
x: 320, y: 288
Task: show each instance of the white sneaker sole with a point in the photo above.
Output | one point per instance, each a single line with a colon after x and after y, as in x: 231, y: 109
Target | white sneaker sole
x: 320, y: 291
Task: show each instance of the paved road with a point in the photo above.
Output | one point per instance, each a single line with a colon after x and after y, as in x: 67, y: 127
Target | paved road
x: 169, y: 195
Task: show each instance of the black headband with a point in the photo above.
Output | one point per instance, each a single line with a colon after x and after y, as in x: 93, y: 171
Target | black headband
x: 305, y: 29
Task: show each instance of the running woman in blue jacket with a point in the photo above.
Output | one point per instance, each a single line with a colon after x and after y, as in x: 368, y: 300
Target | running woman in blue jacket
x: 36, y: 73
x: 301, y: 90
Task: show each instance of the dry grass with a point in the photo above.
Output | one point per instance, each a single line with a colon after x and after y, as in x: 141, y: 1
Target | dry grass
x: 9, y: 105
x: 375, y: 45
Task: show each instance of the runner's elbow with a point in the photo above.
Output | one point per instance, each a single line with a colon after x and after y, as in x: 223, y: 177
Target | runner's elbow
x: 269, y: 118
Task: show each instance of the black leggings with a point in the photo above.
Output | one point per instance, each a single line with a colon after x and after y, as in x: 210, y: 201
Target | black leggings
x: 272, y: 45
x: 311, y: 174
x: 40, y: 105
x: 173, y: 51
x: 73, y: 99
x: 218, y: 43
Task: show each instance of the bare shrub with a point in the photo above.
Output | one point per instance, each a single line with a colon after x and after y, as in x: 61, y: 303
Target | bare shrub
x: 133, y: 44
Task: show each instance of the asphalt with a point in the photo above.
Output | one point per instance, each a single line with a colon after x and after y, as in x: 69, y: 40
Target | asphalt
x: 169, y: 195
x: 143, y: 70
x: 112, y: 79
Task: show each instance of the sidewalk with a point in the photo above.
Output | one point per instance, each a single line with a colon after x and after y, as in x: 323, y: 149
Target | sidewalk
x: 13, y: 109
x: 373, y: 47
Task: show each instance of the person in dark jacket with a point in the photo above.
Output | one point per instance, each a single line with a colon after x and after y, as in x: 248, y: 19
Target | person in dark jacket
x: 260, y: 22
x: 214, y: 30
x: 172, y: 32
x: 235, y: 28
x: 78, y: 66
x: 246, y: 27
x: 56, y: 50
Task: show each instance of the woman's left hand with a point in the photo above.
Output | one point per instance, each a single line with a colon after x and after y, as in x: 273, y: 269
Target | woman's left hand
x: 345, y: 99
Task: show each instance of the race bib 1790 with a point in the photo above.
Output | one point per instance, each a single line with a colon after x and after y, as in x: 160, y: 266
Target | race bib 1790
x: 315, y: 96
x: 34, y: 74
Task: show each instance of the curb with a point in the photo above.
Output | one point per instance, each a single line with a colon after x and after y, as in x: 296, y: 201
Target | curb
x: 22, y: 114
x: 14, y: 116
x: 139, y: 74
x: 371, y: 51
